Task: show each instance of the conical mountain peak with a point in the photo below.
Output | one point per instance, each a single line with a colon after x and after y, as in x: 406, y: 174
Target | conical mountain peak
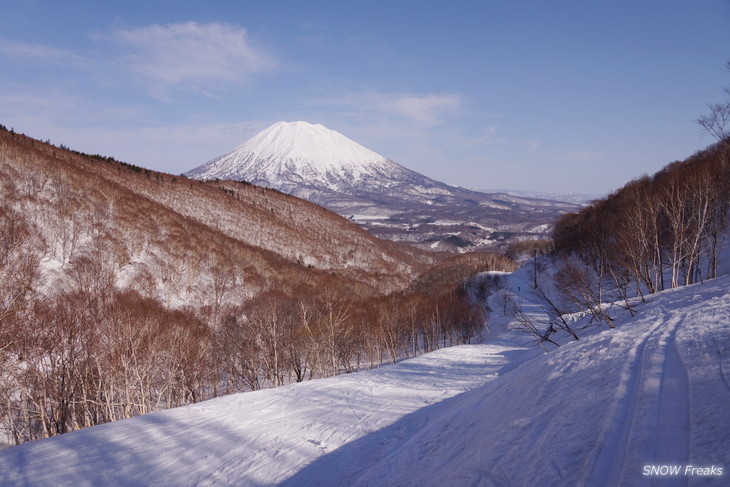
x: 297, y: 157
x: 321, y: 165
x: 315, y: 143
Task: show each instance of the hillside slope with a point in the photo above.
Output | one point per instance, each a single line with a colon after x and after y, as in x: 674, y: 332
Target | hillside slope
x: 174, y: 234
x: 654, y: 391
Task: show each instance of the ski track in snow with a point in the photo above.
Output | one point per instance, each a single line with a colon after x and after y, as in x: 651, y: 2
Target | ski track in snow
x: 593, y: 412
x: 653, y: 383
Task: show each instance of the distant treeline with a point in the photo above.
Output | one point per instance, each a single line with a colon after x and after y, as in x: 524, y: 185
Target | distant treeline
x: 97, y: 157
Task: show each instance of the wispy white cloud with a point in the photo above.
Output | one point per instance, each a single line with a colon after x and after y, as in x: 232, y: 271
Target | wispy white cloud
x: 47, y: 54
x: 125, y: 131
x: 193, y: 55
x: 428, y: 110
x: 485, y: 136
x: 533, y: 144
x: 417, y: 111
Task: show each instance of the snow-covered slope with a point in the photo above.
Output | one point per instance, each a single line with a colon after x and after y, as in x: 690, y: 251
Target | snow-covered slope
x: 292, y: 156
x: 601, y: 411
x: 154, y: 223
x: 614, y: 409
x: 256, y: 438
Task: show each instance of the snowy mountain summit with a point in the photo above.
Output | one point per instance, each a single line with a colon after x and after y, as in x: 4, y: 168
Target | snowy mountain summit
x: 321, y: 165
x: 300, y: 157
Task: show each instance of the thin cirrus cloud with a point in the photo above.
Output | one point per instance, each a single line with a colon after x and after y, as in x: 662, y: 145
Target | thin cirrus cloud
x: 192, y: 55
x: 62, y: 57
x: 422, y: 110
x: 392, y: 110
x: 533, y: 145
x: 428, y: 110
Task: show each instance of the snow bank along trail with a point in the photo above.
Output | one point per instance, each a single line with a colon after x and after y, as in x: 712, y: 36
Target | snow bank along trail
x: 254, y: 438
x: 654, y: 391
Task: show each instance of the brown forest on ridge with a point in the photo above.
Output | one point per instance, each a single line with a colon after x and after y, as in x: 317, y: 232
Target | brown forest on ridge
x: 657, y: 232
x: 654, y: 233
x: 124, y: 291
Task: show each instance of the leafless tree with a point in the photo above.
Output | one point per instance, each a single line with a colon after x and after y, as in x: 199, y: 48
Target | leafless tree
x: 529, y: 325
x: 716, y: 123
x: 543, y: 297
x: 577, y: 284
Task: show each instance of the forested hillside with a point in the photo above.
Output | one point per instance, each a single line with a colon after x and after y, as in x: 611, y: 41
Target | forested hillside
x: 124, y: 291
x: 657, y: 232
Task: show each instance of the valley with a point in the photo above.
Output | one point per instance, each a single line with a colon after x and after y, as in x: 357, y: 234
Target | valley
x: 125, y: 291
x: 263, y: 339
x: 364, y: 244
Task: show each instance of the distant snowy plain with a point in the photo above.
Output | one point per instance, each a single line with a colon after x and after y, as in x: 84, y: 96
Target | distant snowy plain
x: 604, y: 410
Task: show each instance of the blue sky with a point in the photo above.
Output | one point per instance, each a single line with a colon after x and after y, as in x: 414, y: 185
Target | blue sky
x: 558, y: 96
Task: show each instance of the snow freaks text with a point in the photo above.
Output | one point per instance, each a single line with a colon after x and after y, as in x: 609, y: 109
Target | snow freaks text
x: 682, y: 470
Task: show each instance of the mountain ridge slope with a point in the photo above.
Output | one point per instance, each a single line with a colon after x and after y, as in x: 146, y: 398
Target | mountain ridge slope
x: 153, y: 214
x: 389, y: 200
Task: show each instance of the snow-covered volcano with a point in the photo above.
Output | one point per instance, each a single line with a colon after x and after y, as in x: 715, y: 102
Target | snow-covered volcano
x: 321, y: 165
x: 302, y: 158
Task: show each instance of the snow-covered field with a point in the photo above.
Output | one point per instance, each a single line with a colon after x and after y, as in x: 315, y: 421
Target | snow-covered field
x: 602, y: 411
x: 618, y: 407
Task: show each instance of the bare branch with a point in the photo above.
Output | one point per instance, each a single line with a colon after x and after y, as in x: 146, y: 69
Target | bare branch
x: 717, y: 122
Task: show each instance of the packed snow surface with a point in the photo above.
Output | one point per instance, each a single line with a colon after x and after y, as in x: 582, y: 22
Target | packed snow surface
x: 655, y: 391
x: 257, y: 438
